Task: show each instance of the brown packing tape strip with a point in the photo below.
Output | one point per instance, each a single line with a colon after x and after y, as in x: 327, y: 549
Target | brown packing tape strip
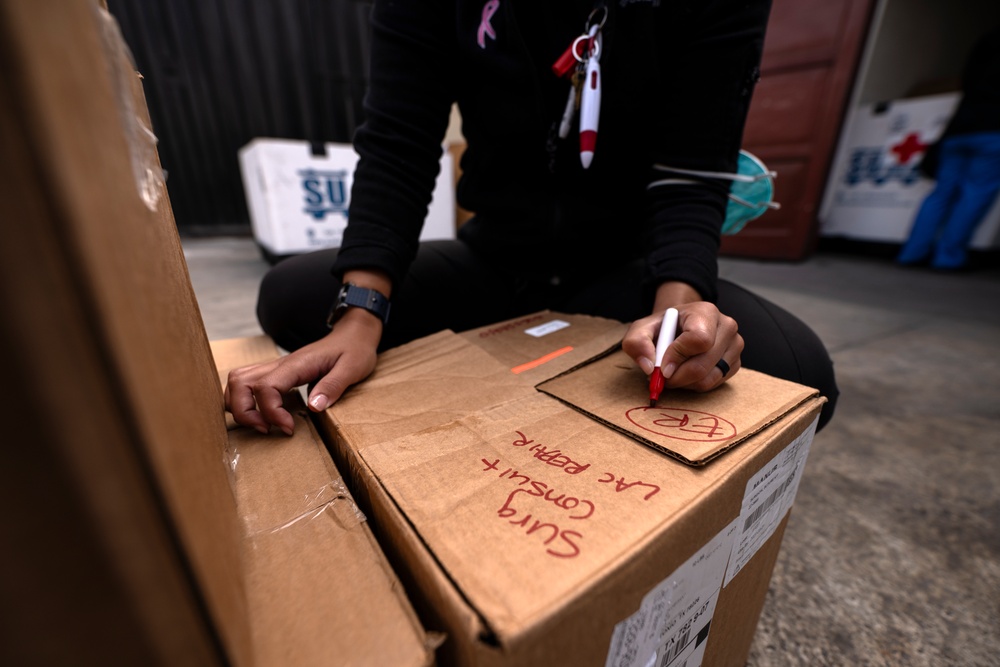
x: 149, y: 179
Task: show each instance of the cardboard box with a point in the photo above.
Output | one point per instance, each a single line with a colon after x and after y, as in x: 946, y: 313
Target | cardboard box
x: 319, y: 590
x: 139, y: 530
x: 875, y: 189
x: 299, y: 202
x: 541, y: 513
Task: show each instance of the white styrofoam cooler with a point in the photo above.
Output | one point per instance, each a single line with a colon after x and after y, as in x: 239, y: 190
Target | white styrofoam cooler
x: 874, y: 188
x: 299, y: 202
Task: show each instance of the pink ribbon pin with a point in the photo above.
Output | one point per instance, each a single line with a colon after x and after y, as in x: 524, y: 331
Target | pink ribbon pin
x: 485, y: 28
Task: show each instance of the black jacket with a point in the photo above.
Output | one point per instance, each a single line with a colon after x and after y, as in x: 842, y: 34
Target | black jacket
x: 677, y: 75
x: 979, y: 108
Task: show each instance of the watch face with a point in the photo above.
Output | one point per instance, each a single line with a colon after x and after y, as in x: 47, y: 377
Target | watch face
x: 339, y: 306
x: 352, y: 295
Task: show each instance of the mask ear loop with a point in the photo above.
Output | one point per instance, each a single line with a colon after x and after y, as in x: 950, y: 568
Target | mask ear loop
x: 743, y: 178
x: 753, y: 209
x: 773, y: 205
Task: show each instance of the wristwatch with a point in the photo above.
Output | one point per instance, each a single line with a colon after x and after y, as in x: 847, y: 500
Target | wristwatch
x: 361, y: 297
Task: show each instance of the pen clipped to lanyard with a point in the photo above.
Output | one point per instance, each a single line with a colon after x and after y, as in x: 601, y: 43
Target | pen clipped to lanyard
x: 581, y: 64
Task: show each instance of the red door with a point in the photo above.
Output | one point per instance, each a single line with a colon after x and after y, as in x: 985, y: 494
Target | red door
x: 810, y: 58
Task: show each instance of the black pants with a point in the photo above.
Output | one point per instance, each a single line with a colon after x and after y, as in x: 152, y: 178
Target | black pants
x: 450, y: 287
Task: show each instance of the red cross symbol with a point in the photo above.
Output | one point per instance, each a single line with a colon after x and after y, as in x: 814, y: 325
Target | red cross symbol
x: 909, y: 147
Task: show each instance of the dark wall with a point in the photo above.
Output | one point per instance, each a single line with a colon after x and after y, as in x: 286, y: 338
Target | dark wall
x: 218, y: 73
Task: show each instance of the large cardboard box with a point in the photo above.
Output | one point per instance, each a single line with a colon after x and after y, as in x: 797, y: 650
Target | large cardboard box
x: 541, y: 513
x: 138, y: 529
x: 299, y: 202
x: 875, y: 187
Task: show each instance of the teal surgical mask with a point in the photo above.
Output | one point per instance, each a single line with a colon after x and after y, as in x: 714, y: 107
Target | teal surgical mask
x: 750, y: 194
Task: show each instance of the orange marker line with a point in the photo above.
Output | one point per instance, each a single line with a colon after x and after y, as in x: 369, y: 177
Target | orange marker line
x: 540, y: 360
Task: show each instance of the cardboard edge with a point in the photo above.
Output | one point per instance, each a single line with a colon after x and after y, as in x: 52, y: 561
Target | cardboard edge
x: 758, y: 571
x: 237, y: 352
x: 753, y: 581
x: 519, y: 647
x: 695, y: 463
x: 799, y: 419
x: 442, y: 601
x: 440, y: 604
x: 612, y: 334
x: 764, y: 426
x: 232, y: 353
x: 388, y: 587
x: 586, y: 362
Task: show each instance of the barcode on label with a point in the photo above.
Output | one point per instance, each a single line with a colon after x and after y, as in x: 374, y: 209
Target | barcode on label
x: 672, y: 652
x: 766, y: 505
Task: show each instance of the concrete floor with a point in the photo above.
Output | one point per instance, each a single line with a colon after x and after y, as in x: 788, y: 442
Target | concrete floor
x: 892, y: 553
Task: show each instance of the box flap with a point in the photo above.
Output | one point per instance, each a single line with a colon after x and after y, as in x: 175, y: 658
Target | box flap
x: 424, y: 384
x: 544, y: 344
x: 691, y: 427
x: 535, y: 490
x: 232, y: 353
x: 319, y: 590
x: 298, y: 518
x: 523, y: 503
x: 91, y: 190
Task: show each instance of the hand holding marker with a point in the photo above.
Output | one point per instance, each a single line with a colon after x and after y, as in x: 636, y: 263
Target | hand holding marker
x: 668, y: 330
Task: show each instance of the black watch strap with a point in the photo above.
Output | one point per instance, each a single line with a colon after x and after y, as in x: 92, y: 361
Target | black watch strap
x: 352, y: 296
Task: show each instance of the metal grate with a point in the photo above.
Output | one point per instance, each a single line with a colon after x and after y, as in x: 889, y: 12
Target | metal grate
x: 218, y: 73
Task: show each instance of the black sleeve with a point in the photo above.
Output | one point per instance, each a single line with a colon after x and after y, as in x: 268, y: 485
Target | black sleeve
x: 706, y: 82
x: 406, y: 114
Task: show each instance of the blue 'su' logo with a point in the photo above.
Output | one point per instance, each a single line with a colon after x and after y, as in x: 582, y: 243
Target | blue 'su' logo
x: 324, y: 192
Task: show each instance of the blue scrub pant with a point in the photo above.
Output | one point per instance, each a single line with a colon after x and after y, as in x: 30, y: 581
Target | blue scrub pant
x: 968, y: 180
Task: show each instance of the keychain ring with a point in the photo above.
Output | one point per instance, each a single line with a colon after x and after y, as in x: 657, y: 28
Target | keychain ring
x: 593, y: 13
x: 596, y: 45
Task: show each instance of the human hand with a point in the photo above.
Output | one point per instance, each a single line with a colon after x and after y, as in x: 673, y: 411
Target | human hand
x: 704, y: 337
x: 254, y: 394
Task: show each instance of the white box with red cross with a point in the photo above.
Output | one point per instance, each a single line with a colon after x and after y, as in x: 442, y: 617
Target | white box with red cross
x: 875, y: 188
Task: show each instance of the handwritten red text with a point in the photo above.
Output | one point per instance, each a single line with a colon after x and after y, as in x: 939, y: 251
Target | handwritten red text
x: 552, y: 457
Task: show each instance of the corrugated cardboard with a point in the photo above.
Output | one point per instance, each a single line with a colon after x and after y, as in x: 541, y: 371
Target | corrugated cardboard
x: 689, y: 427
x: 319, y: 590
x: 132, y: 539
x: 530, y: 530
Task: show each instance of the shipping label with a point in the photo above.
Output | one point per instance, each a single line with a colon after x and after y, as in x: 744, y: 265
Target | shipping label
x: 672, y: 624
x: 545, y: 329
x: 768, y: 497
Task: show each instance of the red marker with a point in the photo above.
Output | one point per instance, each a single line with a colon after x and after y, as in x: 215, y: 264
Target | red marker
x: 668, y: 330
